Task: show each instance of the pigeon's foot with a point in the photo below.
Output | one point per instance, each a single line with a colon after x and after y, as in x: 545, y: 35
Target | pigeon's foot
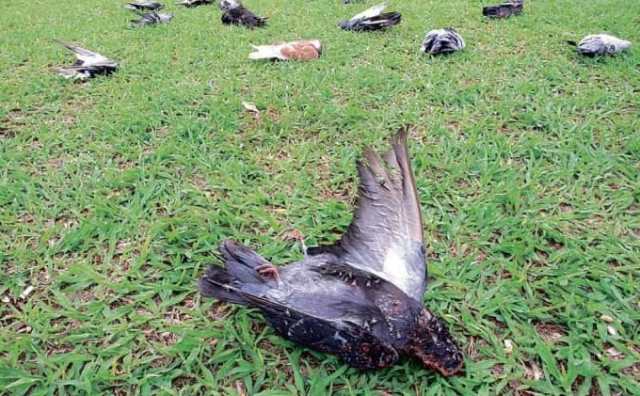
x: 268, y: 271
x: 434, y: 347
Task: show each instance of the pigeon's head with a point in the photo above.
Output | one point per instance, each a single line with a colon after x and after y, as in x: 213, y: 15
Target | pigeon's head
x: 434, y: 347
x: 317, y: 45
x: 226, y: 5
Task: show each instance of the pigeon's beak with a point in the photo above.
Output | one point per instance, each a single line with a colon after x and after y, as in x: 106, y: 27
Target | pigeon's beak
x: 434, y: 347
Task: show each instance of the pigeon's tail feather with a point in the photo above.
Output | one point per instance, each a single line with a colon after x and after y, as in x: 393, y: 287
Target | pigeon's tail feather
x: 218, y: 283
x: 265, y: 52
x: 240, y: 276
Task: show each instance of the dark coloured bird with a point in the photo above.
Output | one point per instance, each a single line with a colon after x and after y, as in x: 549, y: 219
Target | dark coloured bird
x: 194, y: 3
x: 88, y: 64
x: 372, y: 19
x: 234, y: 13
x: 145, y: 6
x: 361, y: 297
x: 601, y: 44
x: 151, y: 18
x: 504, y: 10
x: 442, y: 41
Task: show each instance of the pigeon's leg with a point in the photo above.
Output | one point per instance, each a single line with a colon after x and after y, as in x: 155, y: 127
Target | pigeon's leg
x: 268, y: 270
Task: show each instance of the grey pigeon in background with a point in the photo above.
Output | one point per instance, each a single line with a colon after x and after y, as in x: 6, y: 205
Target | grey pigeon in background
x: 194, y: 3
x: 234, y: 13
x: 372, y: 19
x: 152, y: 18
x: 144, y: 5
x: 359, y: 298
x: 88, y: 64
x: 442, y: 41
x: 504, y: 10
x: 601, y: 44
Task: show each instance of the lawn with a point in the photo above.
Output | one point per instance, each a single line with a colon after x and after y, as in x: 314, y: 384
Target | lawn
x: 115, y: 193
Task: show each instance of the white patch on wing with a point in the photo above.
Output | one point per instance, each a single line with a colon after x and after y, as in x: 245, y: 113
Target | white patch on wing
x: 395, y: 271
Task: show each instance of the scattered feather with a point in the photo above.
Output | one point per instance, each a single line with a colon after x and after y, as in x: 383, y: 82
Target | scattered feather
x: 508, y: 346
x: 26, y: 292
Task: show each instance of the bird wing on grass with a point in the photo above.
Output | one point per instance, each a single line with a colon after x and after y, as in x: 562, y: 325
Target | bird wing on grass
x: 194, y: 3
x: 144, y: 5
x: 88, y: 63
x: 372, y: 19
x: 385, y: 235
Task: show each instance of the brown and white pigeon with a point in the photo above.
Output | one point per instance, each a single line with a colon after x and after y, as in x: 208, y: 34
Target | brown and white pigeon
x: 152, y: 18
x: 372, y: 19
x: 442, y: 41
x: 194, y: 3
x: 234, y: 13
x: 360, y: 298
x: 302, y: 50
x: 88, y: 64
x: 504, y: 10
x: 145, y: 6
x: 601, y: 44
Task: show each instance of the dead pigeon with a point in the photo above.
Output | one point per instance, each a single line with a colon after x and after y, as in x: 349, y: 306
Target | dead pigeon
x: 151, y: 18
x: 372, y: 19
x: 442, y: 41
x: 88, y: 64
x: 296, y: 50
x: 144, y: 5
x: 601, y: 44
x: 504, y: 10
x: 234, y: 13
x: 194, y: 3
x: 361, y: 297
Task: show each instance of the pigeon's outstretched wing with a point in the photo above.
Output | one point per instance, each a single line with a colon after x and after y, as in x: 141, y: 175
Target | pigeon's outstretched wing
x: 87, y: 64
x: 144, y: 5
x: 372, y: 19
x: 385, y: 235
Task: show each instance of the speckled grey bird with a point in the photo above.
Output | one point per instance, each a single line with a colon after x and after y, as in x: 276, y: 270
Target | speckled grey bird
x: 234, y: 13
x: 194, y: 3
x: 359, y: 298
x: 88, y: 64
x: 442, y: 41
x: 504, y: 10
x: 602, y: 44
x: 151, y: 18
x: 145, y: 6
x: 372, y: 19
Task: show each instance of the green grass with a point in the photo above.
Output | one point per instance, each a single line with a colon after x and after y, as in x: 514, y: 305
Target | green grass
x: 114, y: 194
